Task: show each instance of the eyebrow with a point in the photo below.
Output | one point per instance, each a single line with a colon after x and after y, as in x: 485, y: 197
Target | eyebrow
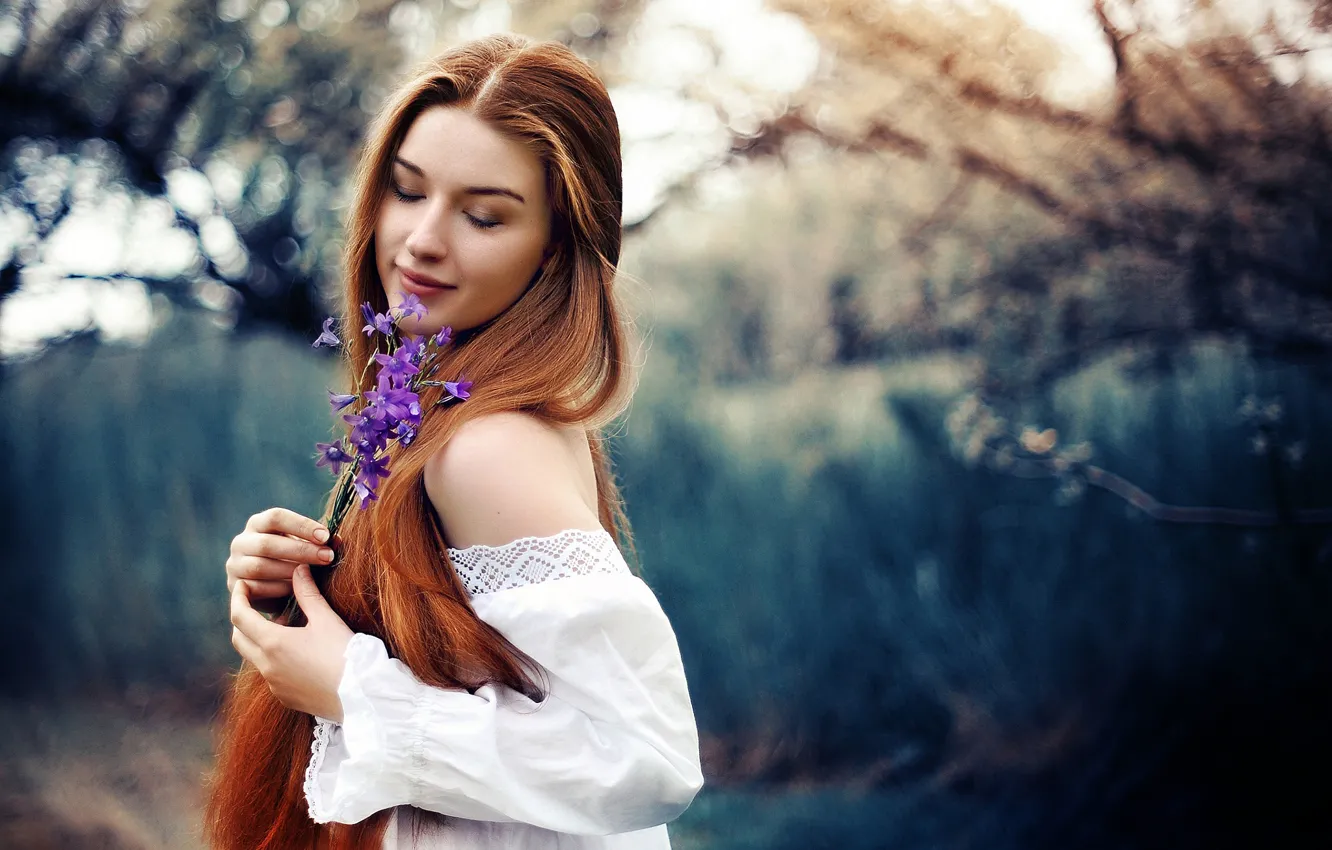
x: 470, y: 190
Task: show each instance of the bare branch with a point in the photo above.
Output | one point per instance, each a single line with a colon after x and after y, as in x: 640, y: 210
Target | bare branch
x: 1158, y: 510
x: 875, y: 138
x: 942, y: 215
x: 1154, y: 508
x: 972, y: 161
x: 1125, y: 93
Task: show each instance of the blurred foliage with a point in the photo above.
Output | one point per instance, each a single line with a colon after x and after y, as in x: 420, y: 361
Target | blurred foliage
x: 137, y: 496
x: 934, y: 193
x: 257, y: 108
x: 960, y: 657
x: 996, y: 510
x: 861, y: 603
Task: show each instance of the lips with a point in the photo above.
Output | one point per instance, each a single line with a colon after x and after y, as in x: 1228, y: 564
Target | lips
x: 413, y: 281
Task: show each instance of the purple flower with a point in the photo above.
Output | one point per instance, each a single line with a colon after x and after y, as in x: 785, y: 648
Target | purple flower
x: 374, y: 409
x: 370, y: 470
x: 382, y: 323
x: 414, y: 346
x: 399, y: 404
x: 369, y: 444
x: 397, y: 366
x: 405, y: 433
x: 339, y: 400
x: 410, y: 306
x: 367, y: 434
x: 365, y: 494
x: 332, y: 455
x: 327, y: 337
x: 391, y: 411
x: 375, y: 321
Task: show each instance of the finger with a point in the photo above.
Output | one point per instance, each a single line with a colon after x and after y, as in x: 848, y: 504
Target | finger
x: 279, y: 547
x: 267, y: 590
x: 245, y: 647
x: 243, y: 616
x: 283, y: 521
x: 260, y: 589
x: 254, y: 568
x: 307, y: 594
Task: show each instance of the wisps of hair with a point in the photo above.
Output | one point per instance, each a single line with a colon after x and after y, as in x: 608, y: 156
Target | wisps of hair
x: 559, y: 353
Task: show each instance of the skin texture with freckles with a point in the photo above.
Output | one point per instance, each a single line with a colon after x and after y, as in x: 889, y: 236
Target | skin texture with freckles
x: 451, y: 215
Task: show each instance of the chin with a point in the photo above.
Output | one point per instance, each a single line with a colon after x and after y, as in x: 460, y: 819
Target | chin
x: 421, y: 327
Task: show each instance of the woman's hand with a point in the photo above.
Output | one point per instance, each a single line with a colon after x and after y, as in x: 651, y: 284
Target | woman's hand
x: 302, y: 665
x: 264, y: 555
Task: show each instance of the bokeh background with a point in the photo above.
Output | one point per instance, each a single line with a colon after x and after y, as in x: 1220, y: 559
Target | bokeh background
x: 981, y: 456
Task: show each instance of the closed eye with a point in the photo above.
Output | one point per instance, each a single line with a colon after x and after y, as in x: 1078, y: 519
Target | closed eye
x: 479, y: 222
x: 403, y: 196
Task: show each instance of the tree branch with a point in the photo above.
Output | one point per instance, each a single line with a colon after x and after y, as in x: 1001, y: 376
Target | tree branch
x: 1154, y: 508
x: 1162, y: 512
x: 1125, y: 94
x: 942, y: 214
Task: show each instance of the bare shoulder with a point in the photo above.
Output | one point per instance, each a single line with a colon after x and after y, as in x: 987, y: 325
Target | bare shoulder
x: 506, y: 476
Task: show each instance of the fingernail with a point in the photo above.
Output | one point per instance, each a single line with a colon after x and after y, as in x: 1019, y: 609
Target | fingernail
x: 325, y: 555
x: 321, y: 534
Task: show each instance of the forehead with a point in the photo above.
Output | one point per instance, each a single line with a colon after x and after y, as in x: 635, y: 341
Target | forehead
x: 455, y: 148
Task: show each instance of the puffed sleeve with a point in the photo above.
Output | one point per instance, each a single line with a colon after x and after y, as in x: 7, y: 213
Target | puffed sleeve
x: 612, y: 747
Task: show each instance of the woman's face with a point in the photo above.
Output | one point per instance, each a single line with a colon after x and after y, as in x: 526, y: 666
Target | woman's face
x: 466, y: 223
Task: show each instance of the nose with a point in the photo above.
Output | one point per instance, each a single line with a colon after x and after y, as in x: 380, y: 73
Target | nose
x: 427, y: 240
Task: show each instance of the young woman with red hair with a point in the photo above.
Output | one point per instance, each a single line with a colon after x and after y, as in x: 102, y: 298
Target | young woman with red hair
x: 481, y: 668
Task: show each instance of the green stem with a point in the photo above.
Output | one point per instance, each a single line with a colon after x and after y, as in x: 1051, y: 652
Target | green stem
x: 342, y: 500
x: 361, y: 382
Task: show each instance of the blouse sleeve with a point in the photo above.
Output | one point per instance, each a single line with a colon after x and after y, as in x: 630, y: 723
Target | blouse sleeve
x: 611, y: 748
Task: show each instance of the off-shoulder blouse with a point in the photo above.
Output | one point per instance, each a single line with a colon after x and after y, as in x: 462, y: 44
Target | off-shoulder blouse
x: 605, y: 760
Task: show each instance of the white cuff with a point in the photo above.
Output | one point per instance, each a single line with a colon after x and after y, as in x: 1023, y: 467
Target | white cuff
x: 353, y: 772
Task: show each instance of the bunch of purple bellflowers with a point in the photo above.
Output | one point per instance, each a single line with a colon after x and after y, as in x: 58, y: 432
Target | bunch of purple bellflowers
x: 388, y: 414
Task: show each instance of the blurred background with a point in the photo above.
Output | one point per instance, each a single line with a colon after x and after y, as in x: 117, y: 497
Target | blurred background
x: 981, y: 456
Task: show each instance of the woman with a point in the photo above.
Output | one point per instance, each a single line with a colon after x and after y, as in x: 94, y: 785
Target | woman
x: 481, y: 669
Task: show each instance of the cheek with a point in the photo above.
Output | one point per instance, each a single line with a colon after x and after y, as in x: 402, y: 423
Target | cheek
x: 505, y: 266
x: 385, y: 242
x: 382, y: 254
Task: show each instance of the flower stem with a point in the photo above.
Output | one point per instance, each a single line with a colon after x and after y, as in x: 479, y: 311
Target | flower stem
x: 342, y: 500
x: 368, y: 363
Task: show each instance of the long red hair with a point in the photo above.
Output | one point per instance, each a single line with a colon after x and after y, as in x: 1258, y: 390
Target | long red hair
x: 559, y: 352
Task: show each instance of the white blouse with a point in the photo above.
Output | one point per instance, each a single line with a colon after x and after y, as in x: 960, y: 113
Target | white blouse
x: 604, y: 761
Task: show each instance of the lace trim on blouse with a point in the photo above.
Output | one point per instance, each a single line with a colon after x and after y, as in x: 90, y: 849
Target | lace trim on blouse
x: 532, y: 560
x: 322, y: 732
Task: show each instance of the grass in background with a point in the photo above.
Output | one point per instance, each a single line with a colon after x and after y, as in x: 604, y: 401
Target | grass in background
x: 886, y: 646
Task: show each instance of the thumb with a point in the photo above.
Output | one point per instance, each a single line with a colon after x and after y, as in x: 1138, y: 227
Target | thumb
x: 307, y: 594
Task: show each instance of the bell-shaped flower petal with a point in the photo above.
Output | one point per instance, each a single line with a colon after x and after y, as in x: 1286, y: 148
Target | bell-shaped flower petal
x: 460, y: 390
x: 332, y: 455
x: 328, y: 337
x: 410, y: 305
